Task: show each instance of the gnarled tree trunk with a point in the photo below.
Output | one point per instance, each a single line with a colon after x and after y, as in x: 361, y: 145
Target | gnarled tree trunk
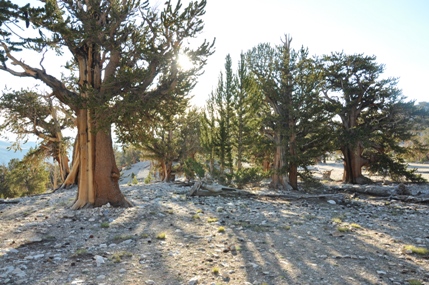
x: 98, y: 174
x: 353, y: 163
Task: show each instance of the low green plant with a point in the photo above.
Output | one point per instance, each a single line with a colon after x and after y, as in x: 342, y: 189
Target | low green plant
x: 215, y: 270
x: 414, y: 282
x: 148, y: 179
x: 248, y: 175
x: 117, y: 256
x: 135, y: 181
x: 80, y: 252
x: 191, y: 167
x: 104, y: 225
x: 337, y: 220
x: 221, y: 229
x: 161, y: 236
x: 212, y: 220
x: 122, y: 238
x: 196, y: 217
x: 416, y: 249
x: 343, y: 229
x: 355, y: 226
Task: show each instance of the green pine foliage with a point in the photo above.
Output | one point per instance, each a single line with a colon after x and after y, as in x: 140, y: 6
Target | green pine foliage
x: 27, y: 177
x: 375, y: 118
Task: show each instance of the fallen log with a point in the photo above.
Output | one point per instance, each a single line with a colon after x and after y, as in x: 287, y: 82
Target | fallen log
x: 379, y: 191
x: 204, y: 189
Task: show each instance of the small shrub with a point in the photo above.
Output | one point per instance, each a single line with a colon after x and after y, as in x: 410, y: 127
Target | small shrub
x: 135, y: 181
x: 355, y: 226
x: 215, y: 270
x: 336, y: 220
x: 221, y: 229
x: 80, y: 252
x: 148, y: 179
x: 161, y: 236
x: 122, y: 238
x: 196, y: 217
x: 343, y: 229
x: 117, y: 256
x: 104, y: 225
x: 212, y: 220
x: 144, y: 235
x: 248, y: 175
x: 191, y: 167
x: 416, y: 249
x: 414, y: 282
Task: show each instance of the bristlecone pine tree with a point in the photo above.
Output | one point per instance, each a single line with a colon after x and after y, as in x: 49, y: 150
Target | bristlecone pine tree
x: 126, y: 56
x: 296, y: 122
x: 27, y: 113
x: 374, y: 117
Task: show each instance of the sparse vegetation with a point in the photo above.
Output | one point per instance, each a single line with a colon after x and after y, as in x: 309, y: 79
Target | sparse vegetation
x: 355, y: 226
x: 80, y: 252
x: 104, y: 225
x: 414, y: 282
x: 416, y: 249
x: 122, y: 238
x: 196, y: 217
x: 337, y: 220
x: 161, y: 236
x: 148, y: 179
x: 212, y: 220
x: 215, y: 270
x: 118, y: 256
x: 221, y: 229
x: 343, y: 229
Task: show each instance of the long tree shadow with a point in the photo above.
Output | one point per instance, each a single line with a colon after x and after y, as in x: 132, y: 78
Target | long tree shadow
x: 168, y: 238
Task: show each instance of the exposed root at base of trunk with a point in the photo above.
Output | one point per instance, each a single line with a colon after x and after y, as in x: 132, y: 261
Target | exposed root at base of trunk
x: 124, y: 203
x: 81, y: 204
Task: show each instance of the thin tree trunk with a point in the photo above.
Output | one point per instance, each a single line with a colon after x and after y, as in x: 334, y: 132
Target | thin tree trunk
x: 293, y: 176
x: 279, y: 180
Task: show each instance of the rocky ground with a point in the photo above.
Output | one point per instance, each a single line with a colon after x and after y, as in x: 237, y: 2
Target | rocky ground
x: 171, y: 239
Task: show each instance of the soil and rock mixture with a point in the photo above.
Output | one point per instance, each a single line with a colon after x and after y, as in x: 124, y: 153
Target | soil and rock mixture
x: 171, y: 238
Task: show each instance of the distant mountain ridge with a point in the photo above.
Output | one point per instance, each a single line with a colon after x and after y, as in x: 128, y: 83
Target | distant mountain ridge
x: 6, y: 155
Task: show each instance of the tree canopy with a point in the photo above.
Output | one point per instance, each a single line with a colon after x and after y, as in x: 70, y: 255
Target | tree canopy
x: 126, y: 59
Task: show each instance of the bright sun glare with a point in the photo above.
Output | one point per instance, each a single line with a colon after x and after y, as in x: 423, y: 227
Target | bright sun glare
x: 185, y: 62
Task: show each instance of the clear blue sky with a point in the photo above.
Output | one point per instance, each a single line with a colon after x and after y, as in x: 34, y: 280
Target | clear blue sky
x: 396, y: 31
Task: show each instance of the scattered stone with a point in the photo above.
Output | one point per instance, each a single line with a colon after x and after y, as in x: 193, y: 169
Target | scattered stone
x: 59, y: 246
x: 194, y: 280
x: 99, y: 260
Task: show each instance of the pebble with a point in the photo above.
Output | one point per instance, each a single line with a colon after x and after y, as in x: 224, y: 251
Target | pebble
x: 194, y: 280
x: 258, y: 220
